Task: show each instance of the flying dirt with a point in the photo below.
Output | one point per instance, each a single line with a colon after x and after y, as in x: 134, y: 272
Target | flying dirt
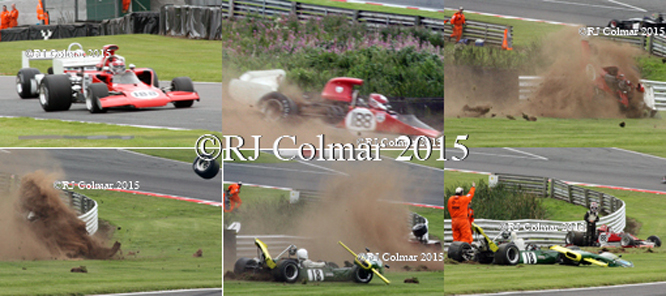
x: 569, y: 88
x: 38, y: 225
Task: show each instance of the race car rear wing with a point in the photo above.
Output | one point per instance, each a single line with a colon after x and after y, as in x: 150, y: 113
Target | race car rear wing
x: 70, y: 58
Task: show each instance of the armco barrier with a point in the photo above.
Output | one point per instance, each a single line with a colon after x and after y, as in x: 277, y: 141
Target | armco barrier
x: 528, y: 85
x: 654, y: 44
x: 277, y: 8
x: 492, y: 34
x: 546, y: 232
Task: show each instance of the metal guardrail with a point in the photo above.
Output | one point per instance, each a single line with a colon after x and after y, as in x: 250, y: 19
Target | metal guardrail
x: 491, y: 33
x: 528, y: 85
x: 278, y: 8
x: 546, y: 232
x: 654, y: 44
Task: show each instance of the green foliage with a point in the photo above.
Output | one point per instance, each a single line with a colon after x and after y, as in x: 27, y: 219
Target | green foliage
x: 500, y: 203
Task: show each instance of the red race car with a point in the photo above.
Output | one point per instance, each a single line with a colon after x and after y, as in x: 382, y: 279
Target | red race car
x: 101, y: 84
x: 605, y: 237
x: 338, y: 104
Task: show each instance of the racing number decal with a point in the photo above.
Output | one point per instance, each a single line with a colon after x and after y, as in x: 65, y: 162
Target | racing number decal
x: 315, y: 275
x: 360, y: 119
x: 145, y: 94
x: 603, y: 238
x: 529, y: 258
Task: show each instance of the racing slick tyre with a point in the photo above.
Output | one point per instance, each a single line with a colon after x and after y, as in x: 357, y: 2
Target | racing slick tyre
x: 205, y: 168
x: 96, y: 91
x: 655, y: 239
x: 460, y: 251
x: 49, y: 70
x: 361, y: 275
x: 24, y: 81
x: 182, y: 84
x: 55, y: 93
x: 334, y: 114
x: 277, y: 107
x: 244, y: 264
x: 286, y: 271
x: 627, y: 240
x: 507, y: 254
x: 576, y: 238
x: 613, y: 23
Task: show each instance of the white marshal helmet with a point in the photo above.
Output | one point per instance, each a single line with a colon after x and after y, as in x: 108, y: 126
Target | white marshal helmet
x: 459, y: 191
x: 302, y: 254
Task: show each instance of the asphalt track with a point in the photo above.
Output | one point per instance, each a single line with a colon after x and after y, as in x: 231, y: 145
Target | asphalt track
x: 155, y: 175
x: 205, y: 114
x: 434, y: 4
x: 601, y: 166
x: 646, y: 289
x: 587, y: 12
x: 427, y: 186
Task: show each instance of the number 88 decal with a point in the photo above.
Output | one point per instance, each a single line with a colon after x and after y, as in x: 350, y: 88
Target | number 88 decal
x: 360, y: 119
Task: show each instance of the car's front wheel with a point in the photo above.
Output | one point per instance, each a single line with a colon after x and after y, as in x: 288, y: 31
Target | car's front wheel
x: 95, y: 92
x: 55, y: 93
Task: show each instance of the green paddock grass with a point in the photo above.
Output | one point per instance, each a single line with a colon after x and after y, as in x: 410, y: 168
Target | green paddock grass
x: 431, y: 283
x: 644, y: 207
x: 163, y: 233
x: 170, y: 57
x: 13, y: 128
x: 642, y: 135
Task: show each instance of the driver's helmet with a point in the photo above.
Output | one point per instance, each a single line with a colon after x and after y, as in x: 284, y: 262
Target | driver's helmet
x: 603, y: 228
x: 302, y: 254
x: 459, y: 191
x: 117, y: 66
x: 594, y: 206
x: 378, y: 101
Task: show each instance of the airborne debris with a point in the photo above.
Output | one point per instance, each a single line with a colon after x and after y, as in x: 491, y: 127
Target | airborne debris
x: 476, y: 111
x: 510, y: 117
x: 622, y: 124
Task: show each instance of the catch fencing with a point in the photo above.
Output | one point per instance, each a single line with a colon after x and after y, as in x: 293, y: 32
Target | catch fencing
x: 279, y: 8
x: 528, y: 86
x: 546, y: 232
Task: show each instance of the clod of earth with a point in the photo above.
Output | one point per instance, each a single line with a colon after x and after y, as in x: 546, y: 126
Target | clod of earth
x: 476, y: 111
x: 510, y: 117
x: 81, y: 269
x: 413, y: 280
x: 198, y: 253
x: 622, y: 124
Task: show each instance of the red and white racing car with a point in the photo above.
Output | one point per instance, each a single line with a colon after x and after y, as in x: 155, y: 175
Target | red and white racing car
x: 605, y: 237
x: 338, y: 104
x: 100, y: 83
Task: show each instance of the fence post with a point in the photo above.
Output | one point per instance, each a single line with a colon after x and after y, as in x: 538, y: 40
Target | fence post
x: 552, y: 188
x: 651, y: 44
x: 263, y: 9
x: 417, y: 21
x: 601, y: 201
x: 294, y: 8
x: 571, y: 201
x: 355, y: 16
x: 231, y: 8
x: 544, y: 193
x: 587, y: 197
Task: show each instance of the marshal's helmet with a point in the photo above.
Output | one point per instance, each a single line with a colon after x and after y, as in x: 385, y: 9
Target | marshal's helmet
x: 459, y: 191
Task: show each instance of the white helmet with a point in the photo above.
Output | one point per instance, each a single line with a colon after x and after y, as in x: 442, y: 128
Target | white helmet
x: 302, y: 254
x: 594, y: 206
x: 459, y: 191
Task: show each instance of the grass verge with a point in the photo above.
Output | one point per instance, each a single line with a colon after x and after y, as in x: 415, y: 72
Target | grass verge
x: 170, y: 57
x: 369, y: 7
x: 163, y: 233
x: 431, y: 283
x: 56, y: 133
x: 641, y: 135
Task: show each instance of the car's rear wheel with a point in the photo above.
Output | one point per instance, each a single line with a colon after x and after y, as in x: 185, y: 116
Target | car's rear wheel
x: 361, y: 276
x: 507, y: 254
x: 655, y: 239
x: 24, y: 83
x: 277, y: 107
x: 55, y: 93
x: 244, y: 264
x: 96, y: 91
x: 286, y: 271
x: 460, y: 251
x: 206, y: 168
